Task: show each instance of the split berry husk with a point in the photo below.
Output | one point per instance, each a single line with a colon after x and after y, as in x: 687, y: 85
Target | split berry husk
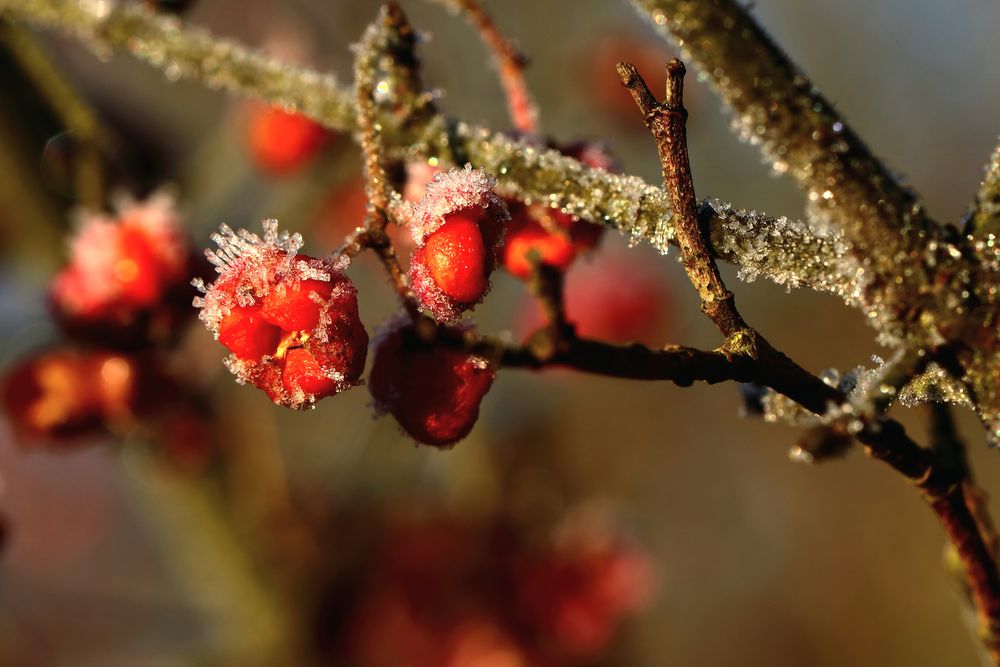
x: 290, y: 321
x: 434, y: 392
x: 458, y: 229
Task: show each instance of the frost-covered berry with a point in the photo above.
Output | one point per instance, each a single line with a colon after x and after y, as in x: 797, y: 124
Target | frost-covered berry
x: 433, y: 392
x: 282, y: 141
x: 127, y: 276
x: 290, y: 321
x: 458, y: 228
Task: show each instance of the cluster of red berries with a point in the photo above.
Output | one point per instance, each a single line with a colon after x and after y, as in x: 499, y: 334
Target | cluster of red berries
x: 443, y: 592
x: 65, y: 392
x: 534, y: 233
x: 120, y: 300
x: 292, y: 325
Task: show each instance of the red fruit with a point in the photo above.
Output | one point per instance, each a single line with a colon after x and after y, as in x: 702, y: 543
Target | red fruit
x: 555, y: 237
x: 283, y: 141
x: 127, y: 277
x: 295, y: 305
x: 613, y: 298
x: 526, y: 238
x: 458, y: 229
x: 303, y: 373
x: 456, y: 258
x: 137, y: 268
x: 291, y: 321
x: 247, y: 334
x: 433, y: 392
x: 64, y: 393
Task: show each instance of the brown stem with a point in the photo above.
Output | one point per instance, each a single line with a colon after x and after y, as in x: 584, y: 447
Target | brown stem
x: 667, y: 123
x: 390, y: 29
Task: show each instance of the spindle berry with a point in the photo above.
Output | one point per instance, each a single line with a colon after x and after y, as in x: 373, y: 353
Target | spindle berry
x: 458, y: 228
x: 433, y: 391
x: 290, y: 321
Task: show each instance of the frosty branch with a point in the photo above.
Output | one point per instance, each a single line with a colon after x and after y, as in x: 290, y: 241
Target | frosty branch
x: 797, y: 257
x: 931, y: 293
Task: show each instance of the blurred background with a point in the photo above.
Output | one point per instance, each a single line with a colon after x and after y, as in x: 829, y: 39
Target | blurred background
x: 260, y: 535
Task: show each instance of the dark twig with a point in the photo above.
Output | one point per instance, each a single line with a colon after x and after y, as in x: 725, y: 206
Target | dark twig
x: 884, y: 439
x: 667, y: 123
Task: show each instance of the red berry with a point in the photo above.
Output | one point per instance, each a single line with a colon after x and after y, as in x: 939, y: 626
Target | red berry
x: 458, y: 229
x: 613, y: 298
x: 456, y: 258
x: 290, y: 320
x: 526, y: 238
x: 433, y: 392
x: 303, y: 373
x: 295, y: 305
x: 247, y: 334
x: 127, y: 278
x: 557, y: 238
x: 283, y: 141
x: 63, y: 393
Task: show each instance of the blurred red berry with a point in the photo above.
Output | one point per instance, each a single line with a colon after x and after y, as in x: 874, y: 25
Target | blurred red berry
x: 484, y: 642
x: 127, y: 277
x: 458, y: 228
x: 282, y: 141
x: 63, y: 393
x: 433, y: 392
x: 577, y: 591
x: 553, y: 237
x: 614, y: 298
x: 527, y: 240
x: 290, y: 321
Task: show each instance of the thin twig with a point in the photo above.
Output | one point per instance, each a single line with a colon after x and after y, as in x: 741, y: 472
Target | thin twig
x: 75, y: 114
x: 667, y: 123
x: 509, y: 61
x: 389, y: 29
